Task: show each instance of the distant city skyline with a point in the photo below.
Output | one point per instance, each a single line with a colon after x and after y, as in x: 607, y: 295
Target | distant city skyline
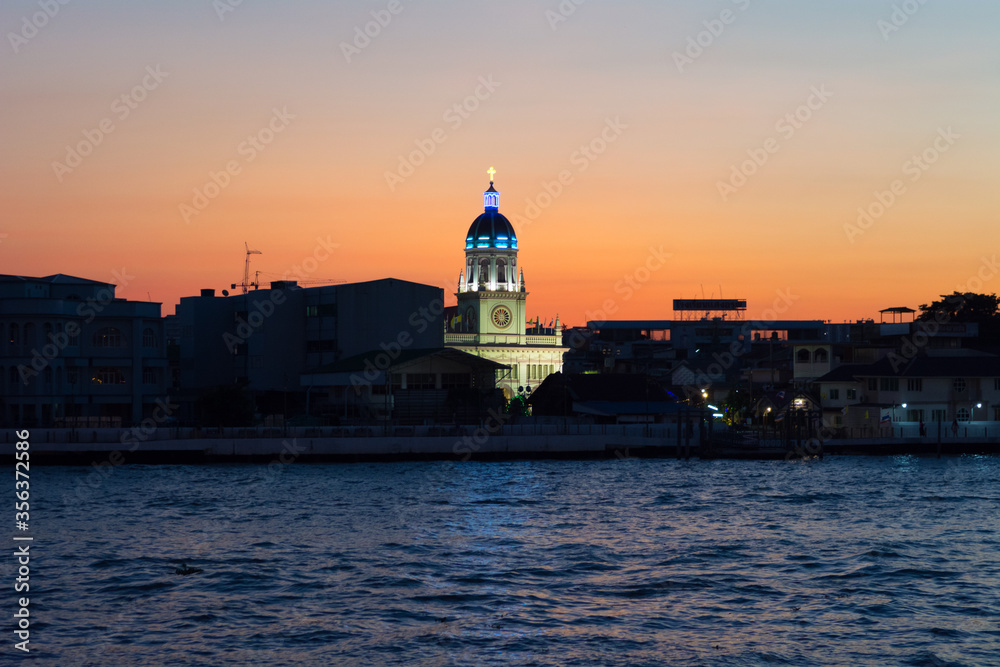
x: 838, y: 159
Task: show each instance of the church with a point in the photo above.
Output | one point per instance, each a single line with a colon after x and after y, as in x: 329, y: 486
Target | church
x: 490, y: 319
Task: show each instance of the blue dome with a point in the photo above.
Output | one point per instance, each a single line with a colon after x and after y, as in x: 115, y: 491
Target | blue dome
x: 491, y: 230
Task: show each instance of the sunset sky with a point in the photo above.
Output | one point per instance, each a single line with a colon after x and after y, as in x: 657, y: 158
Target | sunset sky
x: 739, y: 137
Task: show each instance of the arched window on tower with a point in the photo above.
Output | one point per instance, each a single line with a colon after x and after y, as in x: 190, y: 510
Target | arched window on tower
x: 802, y: 356
x: 501, y: 272
x: 484, y: 271
x: 820, y: 356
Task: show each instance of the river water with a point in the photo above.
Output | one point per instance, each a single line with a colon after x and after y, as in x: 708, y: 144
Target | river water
x: 844, y: 561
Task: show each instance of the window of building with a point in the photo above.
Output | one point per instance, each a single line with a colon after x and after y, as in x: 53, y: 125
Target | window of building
x: 455, y: 380
x: 820, y: 356
x: 108, y: 375
x: 501, y: 271
x: 838, y: 420
x: 938, y: 415
x: 484, y: 271
x: 996, y: 413
x: 15, y: 337
x: 915, y: 415
x: 852, y: 394
x: 321, y: 310
x: 958, y: 384
x: 149, y: 376
x: 962, y: 414
x: 29, y: 335
x: 420, y: 381
x: 108, y: 337
x: 47, y: 374
x: 889, y: 384
x: 915, y: 384
x: 148, y: 338
x: 802, y: 356
x: 996, y: 384
x: 834, y: 394
x: 872, y: 384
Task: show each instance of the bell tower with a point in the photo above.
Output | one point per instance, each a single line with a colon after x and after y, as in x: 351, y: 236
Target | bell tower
x: 491, y: 294
x: 491, y: 317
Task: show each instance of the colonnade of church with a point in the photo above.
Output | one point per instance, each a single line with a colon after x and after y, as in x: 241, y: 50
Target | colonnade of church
x: 494, y: 273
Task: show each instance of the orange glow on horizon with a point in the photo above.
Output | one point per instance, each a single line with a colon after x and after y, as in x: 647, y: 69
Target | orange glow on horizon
x: 608, y: 152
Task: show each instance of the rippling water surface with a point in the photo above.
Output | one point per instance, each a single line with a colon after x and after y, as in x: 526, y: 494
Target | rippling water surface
x: 846, y: 561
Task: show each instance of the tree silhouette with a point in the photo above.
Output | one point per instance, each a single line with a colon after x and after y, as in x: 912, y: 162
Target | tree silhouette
x: 983, y: 309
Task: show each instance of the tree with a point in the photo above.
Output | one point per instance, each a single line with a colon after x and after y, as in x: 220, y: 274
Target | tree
x: 983, y: 309
x: 518, y: 406
x: 737, y: 406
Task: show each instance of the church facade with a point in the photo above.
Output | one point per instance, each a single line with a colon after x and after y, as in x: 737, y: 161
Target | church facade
x: 490, y: 320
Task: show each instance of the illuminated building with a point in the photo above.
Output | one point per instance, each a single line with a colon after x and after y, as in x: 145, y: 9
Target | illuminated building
x: 490, y: 320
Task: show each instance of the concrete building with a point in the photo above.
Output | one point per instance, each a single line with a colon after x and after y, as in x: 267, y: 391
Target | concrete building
x: 267, y: 338
x: 72, y: 353
x: 490, y: 320
x: 413, y: 386
x: 941, y: 385
x: 338, y: 353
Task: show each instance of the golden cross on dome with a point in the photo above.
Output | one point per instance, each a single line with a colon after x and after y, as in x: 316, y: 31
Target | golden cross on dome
x: 491, y: 171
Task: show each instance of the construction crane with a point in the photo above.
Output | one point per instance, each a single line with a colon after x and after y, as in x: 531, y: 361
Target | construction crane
x: 246, y: 271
